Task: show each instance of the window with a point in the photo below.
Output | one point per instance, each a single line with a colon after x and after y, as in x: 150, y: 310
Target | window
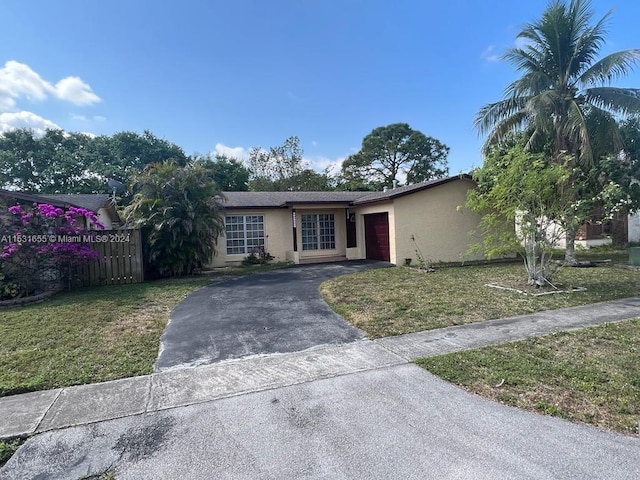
x: 318, y: 232
x: 244, y: 233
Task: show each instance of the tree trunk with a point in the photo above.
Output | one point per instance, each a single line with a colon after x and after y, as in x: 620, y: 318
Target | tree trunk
x: 570, y: 246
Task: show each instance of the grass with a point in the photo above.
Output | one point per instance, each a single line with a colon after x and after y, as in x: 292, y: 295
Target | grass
x: 400, y: 300
x: 8, y: 448
x: 591, y: 376
x: 91, y: 335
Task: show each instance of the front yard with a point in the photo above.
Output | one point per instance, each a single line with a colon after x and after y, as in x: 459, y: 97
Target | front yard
x: 107, y: 333
x: 590, y: 376
x: 402, y: 300
x: 87, y: 336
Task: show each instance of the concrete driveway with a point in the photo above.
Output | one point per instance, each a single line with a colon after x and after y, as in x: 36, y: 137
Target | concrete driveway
x: 274, y: 312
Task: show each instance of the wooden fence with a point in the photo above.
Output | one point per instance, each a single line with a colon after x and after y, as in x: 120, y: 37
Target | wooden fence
x: 119, y: 259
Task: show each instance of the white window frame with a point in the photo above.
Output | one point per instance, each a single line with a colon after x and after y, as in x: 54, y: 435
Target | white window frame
x: 244, y: 233
x: 318, y: 231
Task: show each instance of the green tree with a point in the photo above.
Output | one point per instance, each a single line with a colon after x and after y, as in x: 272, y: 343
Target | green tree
x: 229, y: 173
x: 181, y: 216
x: 562, y: 83
x: 397, y: 148
x: 53, y: 163
x: 516, y: 187
x: 282, y: 169
x: 20, y: 162
x: 63, y: 162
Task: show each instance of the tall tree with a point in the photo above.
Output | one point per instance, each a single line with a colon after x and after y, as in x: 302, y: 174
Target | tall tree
x: 63, y: 162
x: 282, y: 168
x: 181, y: 216
x: 396, y: 149
x: 562, y: 83
x: 125, y: 154
x: 229, y: 173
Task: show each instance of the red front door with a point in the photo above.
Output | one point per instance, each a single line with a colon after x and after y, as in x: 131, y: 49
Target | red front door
x: 376, y: 235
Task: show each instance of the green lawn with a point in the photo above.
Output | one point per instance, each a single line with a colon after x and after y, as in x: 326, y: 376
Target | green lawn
x: 402, y: 300
x: 93, y: 334
x: 90, y: 335
x: 591, y: 375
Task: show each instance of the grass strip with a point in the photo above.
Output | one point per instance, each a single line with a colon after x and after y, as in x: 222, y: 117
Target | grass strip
x: 590, y: 375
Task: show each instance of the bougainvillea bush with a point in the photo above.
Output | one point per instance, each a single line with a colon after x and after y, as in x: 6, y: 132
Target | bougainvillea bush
x: 40, y: 245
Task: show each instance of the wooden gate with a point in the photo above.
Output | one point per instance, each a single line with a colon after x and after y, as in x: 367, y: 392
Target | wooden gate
x: 119, y: 259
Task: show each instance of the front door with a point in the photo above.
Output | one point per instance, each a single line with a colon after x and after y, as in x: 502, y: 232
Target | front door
x: 376, y: 235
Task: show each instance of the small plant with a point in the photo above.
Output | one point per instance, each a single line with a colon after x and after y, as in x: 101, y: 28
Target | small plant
x: 258, y: 256
x: 8, y: 288
x: 423, y: 264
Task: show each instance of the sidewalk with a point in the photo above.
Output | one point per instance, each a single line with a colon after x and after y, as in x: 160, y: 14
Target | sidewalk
x: 37, y: 412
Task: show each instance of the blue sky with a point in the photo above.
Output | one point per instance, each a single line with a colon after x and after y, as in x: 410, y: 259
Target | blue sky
x: 230, y: 75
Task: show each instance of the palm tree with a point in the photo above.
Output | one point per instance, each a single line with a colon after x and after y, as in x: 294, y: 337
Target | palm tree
x: 563, y: 84
x: 181, y: 216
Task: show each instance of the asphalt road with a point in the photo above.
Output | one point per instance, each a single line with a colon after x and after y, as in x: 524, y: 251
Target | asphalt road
x: 392, y: 423
x: 274, y: 312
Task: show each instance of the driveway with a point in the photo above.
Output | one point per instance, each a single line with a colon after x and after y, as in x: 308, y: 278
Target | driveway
x: 275, y: 312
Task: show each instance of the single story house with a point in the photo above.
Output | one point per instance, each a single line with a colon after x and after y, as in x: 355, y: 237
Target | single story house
x: 310, y: 227
x: 101, y: 204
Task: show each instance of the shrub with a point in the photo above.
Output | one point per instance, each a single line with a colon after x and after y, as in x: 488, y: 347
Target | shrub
x: 258, y: 256
x: 40, y: 247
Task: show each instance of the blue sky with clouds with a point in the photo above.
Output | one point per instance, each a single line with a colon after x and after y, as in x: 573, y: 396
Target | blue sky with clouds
x: 230, y: 75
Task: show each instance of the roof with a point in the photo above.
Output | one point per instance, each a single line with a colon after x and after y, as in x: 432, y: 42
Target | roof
x: 390, y: 194
x: 92, y: 202
x: 284, y: 199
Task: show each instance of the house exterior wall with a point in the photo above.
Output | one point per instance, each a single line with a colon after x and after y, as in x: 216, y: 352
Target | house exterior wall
x: 278, y: 230
x: 104, y: 218
x: 360, y: 251
x: 634, y: 227
x: 441, y: 229
x: 278, y: 236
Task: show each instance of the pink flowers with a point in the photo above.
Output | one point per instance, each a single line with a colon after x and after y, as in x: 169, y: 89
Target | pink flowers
x: 43, y: 232
x: 9, y: 249
x: 49, y: 211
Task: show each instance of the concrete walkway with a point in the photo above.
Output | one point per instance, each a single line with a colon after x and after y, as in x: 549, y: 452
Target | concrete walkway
x: 38, y: 412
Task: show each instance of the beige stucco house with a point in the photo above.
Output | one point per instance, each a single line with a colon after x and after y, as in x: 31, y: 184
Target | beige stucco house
x: 310, y: 227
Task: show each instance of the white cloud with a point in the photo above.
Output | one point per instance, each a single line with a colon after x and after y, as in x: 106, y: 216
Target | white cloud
x: 78, y: 118
x: 74, y: 90
x: 13, y: 120
x: 489, y: 54
x: 314, y: 143
x: 522, y: 43
x: 239, y: 153
x: 19, y: 80
x: 99, y: 118
x: 319, y: 164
